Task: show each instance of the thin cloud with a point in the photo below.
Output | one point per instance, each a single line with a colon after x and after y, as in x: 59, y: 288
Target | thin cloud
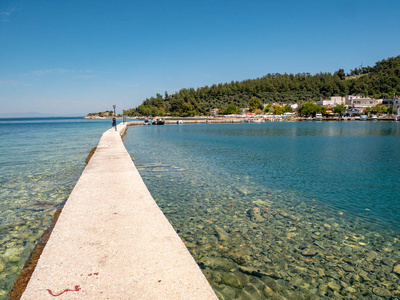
x: 5, y: 14
x: 13, y: 83
x: 128, y: 85
x: 85, y: 76
x: 40, y: 73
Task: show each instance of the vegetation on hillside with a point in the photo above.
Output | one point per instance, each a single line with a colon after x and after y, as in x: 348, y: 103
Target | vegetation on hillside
x: 103, y: 114
x: 380, y: 81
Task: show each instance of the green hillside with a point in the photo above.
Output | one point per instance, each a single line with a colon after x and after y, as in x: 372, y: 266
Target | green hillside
x: 380, y: 81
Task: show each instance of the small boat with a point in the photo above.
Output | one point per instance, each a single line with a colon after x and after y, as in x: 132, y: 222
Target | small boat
x: 309, y: 119
x: 159, y: 122
x: 363, y: 118
x: 398, y: 118
x: 257, y: 121
x: 374, y: 118
x: 148, y: 122
x: 318, y: 117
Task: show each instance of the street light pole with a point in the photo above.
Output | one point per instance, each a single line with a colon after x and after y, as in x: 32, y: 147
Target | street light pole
x: 114, y: 105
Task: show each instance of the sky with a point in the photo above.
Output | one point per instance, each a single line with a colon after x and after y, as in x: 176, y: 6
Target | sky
x: 75, y: 57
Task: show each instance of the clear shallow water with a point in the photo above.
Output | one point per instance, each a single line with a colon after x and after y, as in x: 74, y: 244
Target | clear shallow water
x: 40, y: 162
x: 299, y: 210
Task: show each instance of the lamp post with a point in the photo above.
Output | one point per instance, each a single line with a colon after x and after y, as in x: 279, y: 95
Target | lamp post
x: 114, y: 105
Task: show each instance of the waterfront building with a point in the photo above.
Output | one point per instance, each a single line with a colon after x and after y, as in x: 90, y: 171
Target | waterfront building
x: 214, y: 112
x: 332, y: 101
x: 396, y: 104
x: 359, y: 102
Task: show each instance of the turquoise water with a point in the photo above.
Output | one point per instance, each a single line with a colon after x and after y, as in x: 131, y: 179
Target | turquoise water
x: 40, y: 162
x: 294, y: 210
x: 302, y: 210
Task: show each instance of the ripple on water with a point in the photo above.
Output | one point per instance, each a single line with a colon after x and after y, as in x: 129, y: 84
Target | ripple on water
x: 256, y: 241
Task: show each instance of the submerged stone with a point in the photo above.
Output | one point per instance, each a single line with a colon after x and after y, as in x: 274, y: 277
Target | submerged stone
x: 2, y: 266
x: 334, y: 286
x: 268, y: 291
x: 396, y: 269
x: 221, y: 233
x: 231, y: 280
x: 381, y: 292
x: 255, y: 214
x: 309, y: 252
x: 239, y: 255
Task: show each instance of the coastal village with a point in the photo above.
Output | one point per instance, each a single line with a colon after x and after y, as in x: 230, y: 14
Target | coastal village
x: 347, y: 108
x: 352, y: 108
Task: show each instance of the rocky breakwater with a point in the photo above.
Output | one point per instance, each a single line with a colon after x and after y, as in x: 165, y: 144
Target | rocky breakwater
x: 267, y: 250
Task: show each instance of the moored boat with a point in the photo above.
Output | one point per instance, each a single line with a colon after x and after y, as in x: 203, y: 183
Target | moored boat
x: 318, y: 117
x: 159, y: 122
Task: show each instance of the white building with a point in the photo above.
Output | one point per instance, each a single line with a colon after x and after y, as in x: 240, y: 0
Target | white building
x: 332, y: 101
x: 396, y: 105
x: 214, y: 112
x: 359, y: 102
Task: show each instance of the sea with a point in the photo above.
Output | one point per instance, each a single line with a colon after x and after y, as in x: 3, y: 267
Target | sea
x: 295, y: 210
x: 41, y: 159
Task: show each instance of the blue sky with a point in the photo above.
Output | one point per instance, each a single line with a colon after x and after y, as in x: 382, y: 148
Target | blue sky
x: 76, y: 57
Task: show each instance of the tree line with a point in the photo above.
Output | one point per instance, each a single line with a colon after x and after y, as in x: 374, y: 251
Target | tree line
x: 380, y: 81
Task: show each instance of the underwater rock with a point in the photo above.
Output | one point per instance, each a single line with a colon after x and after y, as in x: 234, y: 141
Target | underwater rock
x: 296, y: 280
x: 321, y: 272
x: 396, y: 269
x: 217, y: 263
x: 2, y: 266
x: 347, y: 268
x: 13, y: 254
x: 381, y: 292
x: 250, y: 292
x: 290, y: 235
x: 231, y: 280
x: 259, y: 272
x: 221, y: 233
x: 255, y: 215
x: 334, y: 286
x: 309, y: 252
x: 350, y: 289
x: 239, y: 255
x: 268, y: 291
x: 190, y: 245
x: 364, y: 276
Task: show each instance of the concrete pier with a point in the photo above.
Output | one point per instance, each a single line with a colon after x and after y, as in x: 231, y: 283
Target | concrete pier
x: 112, y: 241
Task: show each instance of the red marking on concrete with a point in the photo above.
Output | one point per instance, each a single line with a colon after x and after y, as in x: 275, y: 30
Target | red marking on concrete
x: 77, y: 289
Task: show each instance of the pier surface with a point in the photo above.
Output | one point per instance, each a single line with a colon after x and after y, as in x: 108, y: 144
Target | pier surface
x: 112, y: 241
